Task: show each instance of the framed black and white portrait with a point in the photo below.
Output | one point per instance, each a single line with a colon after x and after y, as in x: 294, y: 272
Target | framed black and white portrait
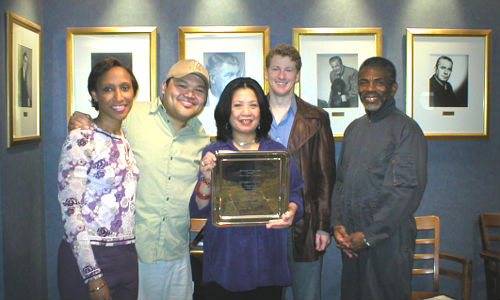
x: 447, y: 87
x: 223, y: 67
x: 329, y: 76
x: 134, y: 46
x: 341, y: 88
x: 227, y: 52
x: 24, y: 79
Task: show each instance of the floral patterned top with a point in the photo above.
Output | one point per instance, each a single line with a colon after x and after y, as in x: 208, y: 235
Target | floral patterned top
x: 97, y: 180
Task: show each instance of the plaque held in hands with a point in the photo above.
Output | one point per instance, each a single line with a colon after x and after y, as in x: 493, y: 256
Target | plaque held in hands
x: 249, y: 187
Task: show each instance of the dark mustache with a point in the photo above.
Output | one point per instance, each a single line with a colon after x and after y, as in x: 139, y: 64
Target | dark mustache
x: 368, y: 94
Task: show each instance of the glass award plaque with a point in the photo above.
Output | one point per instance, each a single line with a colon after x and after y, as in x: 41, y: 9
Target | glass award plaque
x: 249, y: 187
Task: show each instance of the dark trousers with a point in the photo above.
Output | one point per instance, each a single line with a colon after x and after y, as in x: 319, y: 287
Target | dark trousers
x: 383, y: 271
x: 213, y: 290
x: 118, y: 265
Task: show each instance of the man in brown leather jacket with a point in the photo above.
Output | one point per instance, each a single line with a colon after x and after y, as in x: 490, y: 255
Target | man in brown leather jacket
x: 305, y: 130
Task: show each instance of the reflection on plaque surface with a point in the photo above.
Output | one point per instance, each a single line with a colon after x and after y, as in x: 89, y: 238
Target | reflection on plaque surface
x: 249, y: 187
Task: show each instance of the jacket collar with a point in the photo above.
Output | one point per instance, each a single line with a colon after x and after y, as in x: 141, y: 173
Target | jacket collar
x: 306, y: 110
x: 387, y: 107
x: 306, y: 124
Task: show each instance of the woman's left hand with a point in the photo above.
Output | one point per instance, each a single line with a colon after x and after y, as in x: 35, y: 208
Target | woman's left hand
x: 207, y: 163
x: 286, y: 219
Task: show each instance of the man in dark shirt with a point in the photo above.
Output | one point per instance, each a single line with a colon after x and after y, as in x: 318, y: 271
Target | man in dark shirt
x: 381, y: 177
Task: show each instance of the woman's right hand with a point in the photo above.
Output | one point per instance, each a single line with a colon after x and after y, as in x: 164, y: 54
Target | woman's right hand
x: 79, y: 120
x: 99, y: 290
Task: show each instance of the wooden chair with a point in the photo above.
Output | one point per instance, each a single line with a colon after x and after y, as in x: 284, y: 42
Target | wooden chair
x: 428, y: 226
x: 196, y: 255
x: 489, y: 224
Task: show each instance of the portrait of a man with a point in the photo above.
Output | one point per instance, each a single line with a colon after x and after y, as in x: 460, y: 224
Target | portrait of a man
x: 337, y: 80
x: 223, y: 67
x: 25, y: 93
x: 344, y: 84
x: 441, y: 91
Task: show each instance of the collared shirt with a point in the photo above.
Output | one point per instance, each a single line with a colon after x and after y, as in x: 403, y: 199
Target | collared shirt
x: 168, y: 162
x: 281, y: 132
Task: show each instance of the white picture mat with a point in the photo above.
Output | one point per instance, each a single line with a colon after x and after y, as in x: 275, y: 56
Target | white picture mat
x: 464, y: 120
x: 26, y: 119
x: 364, y: 46
x: 85, y: 45
x: 196, y: 44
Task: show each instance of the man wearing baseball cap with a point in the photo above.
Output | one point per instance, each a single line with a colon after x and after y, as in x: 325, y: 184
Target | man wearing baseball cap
x: 167, y: 140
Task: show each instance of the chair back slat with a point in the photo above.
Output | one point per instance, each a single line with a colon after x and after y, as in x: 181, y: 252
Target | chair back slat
x: 425, y: 241
x: 422, y: 271
x: 423, y: 256
x: 197, y: 224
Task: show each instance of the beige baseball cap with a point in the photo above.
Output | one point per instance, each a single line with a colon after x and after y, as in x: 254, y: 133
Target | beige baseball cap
x: 189, y: 66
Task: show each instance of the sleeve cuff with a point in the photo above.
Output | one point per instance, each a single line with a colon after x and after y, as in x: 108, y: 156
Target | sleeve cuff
x: 322, y: 232
x: 93, y: 278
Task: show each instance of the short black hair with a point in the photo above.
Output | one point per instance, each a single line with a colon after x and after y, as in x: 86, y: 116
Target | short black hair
x: 223, y: 109
x: 100, y: 69
x: 378, y: 61
x: 336, y: 57
x: 443, y: 57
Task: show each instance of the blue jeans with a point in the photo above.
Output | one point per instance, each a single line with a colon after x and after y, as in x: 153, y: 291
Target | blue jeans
x: 306, y: 277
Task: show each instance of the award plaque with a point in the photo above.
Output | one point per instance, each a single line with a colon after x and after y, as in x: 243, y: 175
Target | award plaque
x: 249, y: 187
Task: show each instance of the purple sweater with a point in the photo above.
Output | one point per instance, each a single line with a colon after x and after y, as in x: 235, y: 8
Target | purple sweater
x: 247, y: 257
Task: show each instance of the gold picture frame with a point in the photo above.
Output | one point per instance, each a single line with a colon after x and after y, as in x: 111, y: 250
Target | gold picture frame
x: 447, y: 81
x: 24, y: 61
x: 134, y: 45
x: 241, y: 50
x: 317, y: 47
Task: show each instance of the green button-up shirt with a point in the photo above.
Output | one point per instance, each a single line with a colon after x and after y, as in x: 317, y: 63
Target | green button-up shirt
x: 168, y: 162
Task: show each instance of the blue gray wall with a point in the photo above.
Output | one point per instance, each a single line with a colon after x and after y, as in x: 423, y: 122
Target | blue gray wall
x: 463, y: 173
x: 22, y: 197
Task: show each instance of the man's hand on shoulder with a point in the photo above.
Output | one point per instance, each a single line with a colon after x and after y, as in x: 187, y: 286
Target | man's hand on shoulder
x: 79, y: 120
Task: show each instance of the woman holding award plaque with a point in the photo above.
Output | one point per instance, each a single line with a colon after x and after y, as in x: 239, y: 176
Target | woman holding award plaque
x: 244, y: 262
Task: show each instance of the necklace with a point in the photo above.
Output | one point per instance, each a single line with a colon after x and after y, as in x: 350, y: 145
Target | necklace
x: 243, y: 144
